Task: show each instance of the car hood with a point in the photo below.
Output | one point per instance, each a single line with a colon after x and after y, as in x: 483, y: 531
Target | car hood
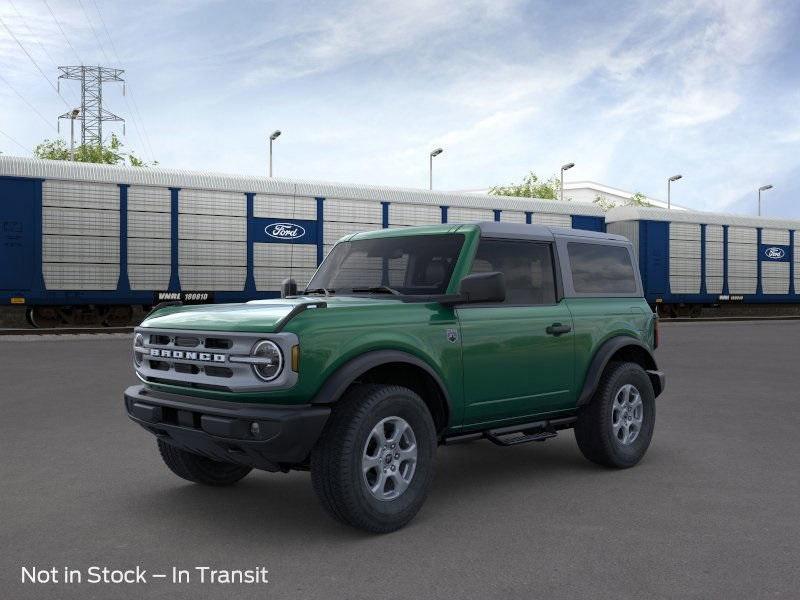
x: 256, y: 316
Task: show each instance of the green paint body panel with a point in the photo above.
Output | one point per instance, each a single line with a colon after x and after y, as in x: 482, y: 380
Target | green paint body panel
x: 502, y: 368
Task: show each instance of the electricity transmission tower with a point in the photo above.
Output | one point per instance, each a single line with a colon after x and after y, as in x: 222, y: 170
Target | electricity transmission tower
x: 92, y: 114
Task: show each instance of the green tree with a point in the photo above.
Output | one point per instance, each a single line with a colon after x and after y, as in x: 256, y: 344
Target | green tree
x: 110, y: 154
x: 604, y: 202
x: 530, y: 187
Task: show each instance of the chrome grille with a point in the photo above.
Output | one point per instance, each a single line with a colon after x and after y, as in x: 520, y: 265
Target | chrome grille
x: 207, y: 360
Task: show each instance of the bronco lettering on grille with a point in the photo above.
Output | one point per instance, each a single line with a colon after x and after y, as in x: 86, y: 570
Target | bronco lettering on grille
x: 204, y: 356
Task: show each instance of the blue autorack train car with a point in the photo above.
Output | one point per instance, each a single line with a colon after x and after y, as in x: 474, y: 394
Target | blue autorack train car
x: 692, y: 259
x: 85, y: 243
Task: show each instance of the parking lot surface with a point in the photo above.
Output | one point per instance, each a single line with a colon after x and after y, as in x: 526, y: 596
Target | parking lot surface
x: 711, y: 512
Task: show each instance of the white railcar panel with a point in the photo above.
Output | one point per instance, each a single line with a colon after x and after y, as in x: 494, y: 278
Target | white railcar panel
x: 149, y: 199
x: 714, y: 285
x: 414, y: 214
x: 630, y: 229
x: 210, y: 227
x: 460, y: 214
x: 80, y: 194
x: 285, y: 207
x: 205, y: 202
x: 775, y: 277
x: 684, y: 249
x: 352, y: 211
x: 202, y: 252
x: 208, y: 278
x: 513, y: 216
x: 552, y: 219
x: 268, y: 279
x: 149, y: 225
x: 74, y: 248
x: 685, y: 283
x: 715, y: 233
x: 684, y: 266
x: 149, y: 277
x: 334, y: 231
x: 743, y: 252
x: 285, y: 255
x: 742, y: 235
x: 77, y: 221
x: 742, y: 268
x: 775, y: 236
x: 144, y: 251
x: 742, y: 285
x: 80, y: 276
x: 715, y: 267
x: 715, y: 249
x: 684, y: 231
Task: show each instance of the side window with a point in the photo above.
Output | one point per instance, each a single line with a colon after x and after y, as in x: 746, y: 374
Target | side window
x: 527, y: 266
x: 601, y: 269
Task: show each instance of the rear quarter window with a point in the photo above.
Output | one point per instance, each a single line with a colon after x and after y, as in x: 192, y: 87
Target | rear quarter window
x: 601, y: 269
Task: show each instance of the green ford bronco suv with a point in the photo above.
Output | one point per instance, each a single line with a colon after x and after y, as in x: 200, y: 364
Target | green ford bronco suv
x: 406, y: 339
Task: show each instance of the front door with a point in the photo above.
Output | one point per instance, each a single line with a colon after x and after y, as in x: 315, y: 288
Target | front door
x: 17, y: 239
x: 518, y: 355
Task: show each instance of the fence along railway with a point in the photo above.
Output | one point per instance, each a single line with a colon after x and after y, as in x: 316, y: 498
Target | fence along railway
x: 94, y: 245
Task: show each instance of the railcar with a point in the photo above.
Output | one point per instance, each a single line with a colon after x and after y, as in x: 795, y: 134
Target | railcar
x: 85, y: 243
x: 691, y: 259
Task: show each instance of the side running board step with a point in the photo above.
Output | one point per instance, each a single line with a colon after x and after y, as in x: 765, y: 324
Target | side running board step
x: 538, y: 431
x: 520, y: 437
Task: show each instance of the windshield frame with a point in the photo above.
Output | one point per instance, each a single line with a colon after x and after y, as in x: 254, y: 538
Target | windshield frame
x: 318, y: 285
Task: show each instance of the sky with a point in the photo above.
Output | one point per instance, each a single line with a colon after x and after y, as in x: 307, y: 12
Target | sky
x: 631, y: 92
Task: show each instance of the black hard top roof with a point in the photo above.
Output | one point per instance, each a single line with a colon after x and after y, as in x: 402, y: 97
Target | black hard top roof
x: 542, y: 232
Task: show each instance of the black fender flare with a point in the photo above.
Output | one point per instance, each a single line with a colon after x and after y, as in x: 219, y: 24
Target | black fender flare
x: 344, y: 376
x: 602, y: 357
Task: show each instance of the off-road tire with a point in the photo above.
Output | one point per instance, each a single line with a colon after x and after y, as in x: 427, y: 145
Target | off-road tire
x: 199, y: 469
x: 336, y: 461
x: 594, y: 431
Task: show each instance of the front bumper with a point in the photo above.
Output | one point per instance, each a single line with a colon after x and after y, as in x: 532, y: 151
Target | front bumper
x: 224, y: 430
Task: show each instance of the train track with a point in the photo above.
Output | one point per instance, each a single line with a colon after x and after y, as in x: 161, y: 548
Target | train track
x: 65, y: 330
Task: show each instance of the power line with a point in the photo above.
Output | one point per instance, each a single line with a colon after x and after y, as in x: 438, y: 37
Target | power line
x: 15, y: 141
x: 33, y: 36
x: 135, y: 112
x: 35, y: 64
x: 66, y: 39
x: 32, y: 107
x: 96, y: 37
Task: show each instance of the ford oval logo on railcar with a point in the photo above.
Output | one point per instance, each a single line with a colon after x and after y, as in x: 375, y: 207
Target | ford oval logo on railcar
x: 285, y: 231
x: 774, y: 253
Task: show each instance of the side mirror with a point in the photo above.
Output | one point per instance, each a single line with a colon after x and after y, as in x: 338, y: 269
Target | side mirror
x: 483, y: 287
x: 288, y: 288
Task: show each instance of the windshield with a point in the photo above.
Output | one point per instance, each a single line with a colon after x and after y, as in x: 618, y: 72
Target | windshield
x: 407, y: 265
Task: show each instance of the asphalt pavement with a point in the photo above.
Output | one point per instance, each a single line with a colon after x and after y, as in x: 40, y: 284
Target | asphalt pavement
x: 713, y: 511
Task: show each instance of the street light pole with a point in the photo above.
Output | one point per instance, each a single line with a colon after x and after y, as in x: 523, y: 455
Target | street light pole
x: 763, y: 188
x: 72, y: 115
x: 565, y: 167
x: 435, y: 152
x: 272, y: 138
x: 669, y: 182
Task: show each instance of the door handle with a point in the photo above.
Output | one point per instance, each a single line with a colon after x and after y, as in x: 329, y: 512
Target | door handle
x: 557, y: 329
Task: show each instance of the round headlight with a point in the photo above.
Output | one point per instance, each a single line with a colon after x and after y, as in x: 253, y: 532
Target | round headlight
x: 138, y: 342
x: 271, y: 360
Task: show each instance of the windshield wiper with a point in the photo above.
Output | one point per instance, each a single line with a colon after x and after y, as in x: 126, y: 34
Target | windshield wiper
x: 378, y: 289
x: 325, y: 291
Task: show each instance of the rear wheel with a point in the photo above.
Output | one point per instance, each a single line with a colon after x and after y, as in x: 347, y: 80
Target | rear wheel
x: 616, y: 427
x: 199, y: 469
x: 373, y: 465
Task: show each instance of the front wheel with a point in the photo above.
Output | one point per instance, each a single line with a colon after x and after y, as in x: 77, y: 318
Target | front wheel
x: 373, y: 465
x: 615, y: 428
